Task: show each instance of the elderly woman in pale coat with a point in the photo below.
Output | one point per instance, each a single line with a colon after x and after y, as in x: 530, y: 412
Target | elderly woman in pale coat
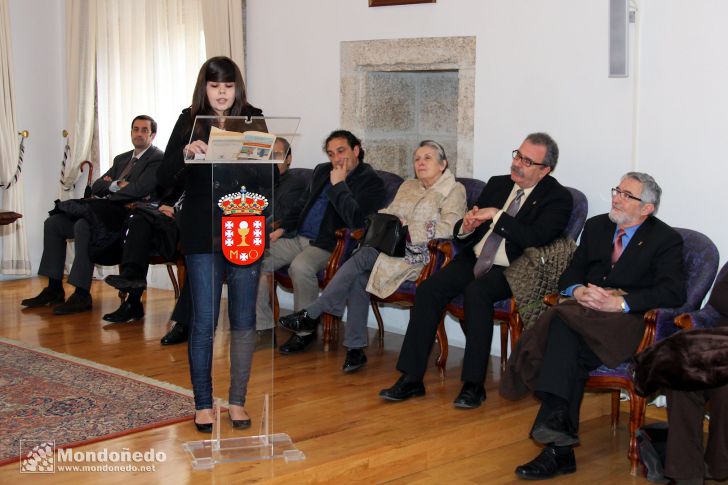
x: 429, y: 206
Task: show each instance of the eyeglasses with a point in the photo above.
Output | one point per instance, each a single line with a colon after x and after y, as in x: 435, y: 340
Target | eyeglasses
x: 525, y: 160
x: 624, y: 195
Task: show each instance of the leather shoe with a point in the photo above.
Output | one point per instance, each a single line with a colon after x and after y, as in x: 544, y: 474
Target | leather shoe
x: 555, y: 429
x: 45, y: 297
x: 403, y: 389
x: 471, y: 396
x: 203, y: 427
x: 355, y: 360
x: 240, y: 423
x: 176, y: 335
x: 127, y: 312
x: 76, y: 303
x: 300, y: 322
x: 124, y: 283
x: 548, y: 464
x: 297, y: 343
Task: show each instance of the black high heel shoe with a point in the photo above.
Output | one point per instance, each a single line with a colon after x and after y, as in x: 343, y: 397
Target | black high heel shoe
x: 203, y: 427
x: 240, y: 423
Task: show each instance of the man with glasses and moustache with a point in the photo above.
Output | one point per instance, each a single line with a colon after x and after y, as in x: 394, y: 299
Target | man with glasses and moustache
x: 627, y: 263
x: 524, y: 209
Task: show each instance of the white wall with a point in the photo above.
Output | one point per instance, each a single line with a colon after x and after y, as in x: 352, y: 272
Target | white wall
x: 684, y: 112
x: 39, y: 81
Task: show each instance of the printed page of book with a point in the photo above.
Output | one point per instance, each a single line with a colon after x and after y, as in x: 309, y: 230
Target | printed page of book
x: 257, y: 145
x: 224, y: 145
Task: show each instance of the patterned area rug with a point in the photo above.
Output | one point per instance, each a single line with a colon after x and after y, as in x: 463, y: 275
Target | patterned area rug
x: 46, y: 395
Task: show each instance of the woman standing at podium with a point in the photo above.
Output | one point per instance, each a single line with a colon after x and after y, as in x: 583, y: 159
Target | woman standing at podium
x: 219, y: 91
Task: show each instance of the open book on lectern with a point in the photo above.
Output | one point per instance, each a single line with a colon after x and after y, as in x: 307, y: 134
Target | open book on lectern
x: 235, y: 145
x: 242, y: 139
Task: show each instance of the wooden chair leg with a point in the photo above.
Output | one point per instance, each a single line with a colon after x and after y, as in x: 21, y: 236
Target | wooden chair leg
x: 274, y: 300
x: 504, y: 344
x: 173, y: 279
x: 637, y: 406
x: 380, y: 322
x: 330, y: 325
x: 615, y: 411
x: 442, y: 343
x: 181, y: 272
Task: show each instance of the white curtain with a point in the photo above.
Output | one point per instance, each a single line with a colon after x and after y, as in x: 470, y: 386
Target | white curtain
x: 148, y: 55
x: 224, y: 30
x: 81, y: 61
x: 15, y: 257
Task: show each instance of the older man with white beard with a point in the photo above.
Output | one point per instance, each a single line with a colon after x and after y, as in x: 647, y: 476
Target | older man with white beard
x: 627, y: 263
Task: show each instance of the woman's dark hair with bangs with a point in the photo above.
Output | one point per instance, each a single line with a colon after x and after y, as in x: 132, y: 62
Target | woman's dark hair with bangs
x: 220, y: 70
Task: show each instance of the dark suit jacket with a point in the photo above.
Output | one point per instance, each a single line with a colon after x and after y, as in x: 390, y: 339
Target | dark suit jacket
x: 361, y: 194
x: 142, y: 178
x: 650, y: 269
x: 287, y: 192
x: 541, y: 219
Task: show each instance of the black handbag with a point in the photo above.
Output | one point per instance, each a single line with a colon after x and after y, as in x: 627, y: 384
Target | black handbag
x: 386, y: 233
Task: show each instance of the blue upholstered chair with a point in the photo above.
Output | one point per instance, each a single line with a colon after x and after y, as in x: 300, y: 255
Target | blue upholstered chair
x: 346, y: 242
x: 706, y: 316
x: 700, y: 257
x: 405, y: 295
x: 506, y: 311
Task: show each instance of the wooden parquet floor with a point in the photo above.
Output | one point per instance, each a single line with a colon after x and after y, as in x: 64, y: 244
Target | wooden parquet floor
x: 349, y: 435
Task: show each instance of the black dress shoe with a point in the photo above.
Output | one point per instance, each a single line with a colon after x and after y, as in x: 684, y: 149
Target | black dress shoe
x: 548, y: 464
x: 355, y: 360
x: 127, y: 312
x: 403, y: 389
x: 76, y: 303
x: 297, y: 343
x: 45, y: 297
x: 176, y: 335
x: 471, y: 396
x: 300, y: 323
x: 555, y: 429
x: 124, y: 283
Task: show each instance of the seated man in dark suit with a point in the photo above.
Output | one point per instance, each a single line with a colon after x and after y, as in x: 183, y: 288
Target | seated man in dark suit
x: 524, y: 209
x: 341, y: 194
x: 687, y: 462
x: 151, y: 228
x: 132, y: 177
x: 627, y: 263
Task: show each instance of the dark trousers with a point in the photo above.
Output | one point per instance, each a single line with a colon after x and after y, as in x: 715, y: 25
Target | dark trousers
x: 430, y: 300
x: 137, y: 248
x: 685, y: 413
x: 565, y: 368
x: 56, y: 230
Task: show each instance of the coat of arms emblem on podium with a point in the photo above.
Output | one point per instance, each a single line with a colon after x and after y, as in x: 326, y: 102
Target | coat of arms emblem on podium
x: 243, y: 226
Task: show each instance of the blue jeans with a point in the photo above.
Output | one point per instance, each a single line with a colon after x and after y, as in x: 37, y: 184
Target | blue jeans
x: 205, y: 275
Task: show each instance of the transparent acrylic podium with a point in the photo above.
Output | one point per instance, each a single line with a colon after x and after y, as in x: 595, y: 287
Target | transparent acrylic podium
x: 264, y: 446
x: 239, y: 150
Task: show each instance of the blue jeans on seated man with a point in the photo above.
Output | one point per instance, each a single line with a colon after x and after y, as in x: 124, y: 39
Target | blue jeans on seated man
x: 205, y: 275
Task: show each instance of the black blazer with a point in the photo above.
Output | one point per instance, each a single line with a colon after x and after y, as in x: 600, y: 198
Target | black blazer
x: 650, y: 269
x: 204, y: 184
x: 541, y: 219
x: 361, y: 194
x: 142, y: 178
x: 286, y: 193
